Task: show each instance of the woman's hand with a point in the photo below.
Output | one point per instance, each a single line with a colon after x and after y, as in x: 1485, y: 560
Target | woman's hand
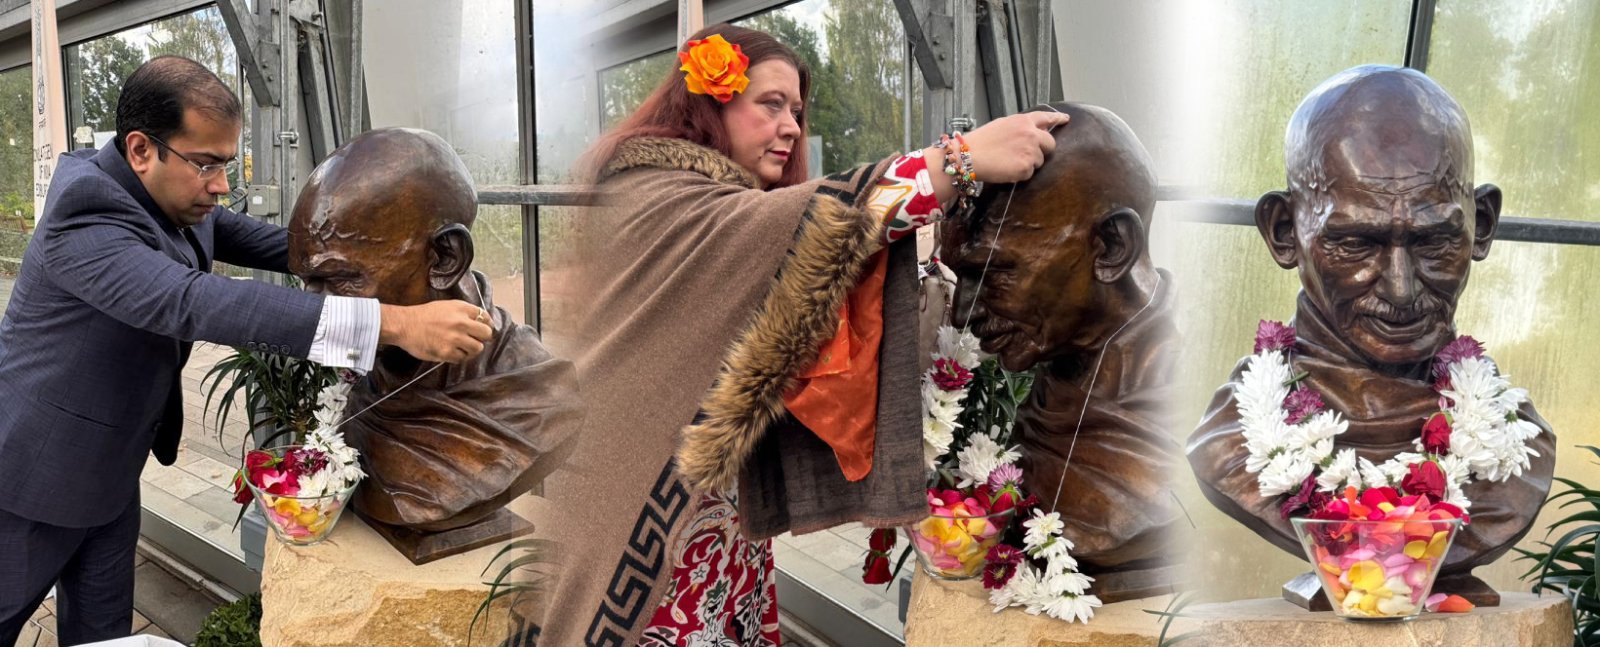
x: 1006, y: 150
x: 1010, y: 149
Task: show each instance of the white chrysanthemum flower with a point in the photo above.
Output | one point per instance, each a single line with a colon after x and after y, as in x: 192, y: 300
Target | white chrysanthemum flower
x: 1371, y: 474
x: 1262, y: 388
x: 980, y: 457
x: 1006, y: 595
x: 960, y: 346
x: 1344, y: 469
x: 1069, y: 582
x: 1072, y: 608
x: 1056, y: 553
x: 1022, y: 587
x: 1041, y: 528
x: 1283, y: 473
x: 334, y: 396
x: 317, y: 484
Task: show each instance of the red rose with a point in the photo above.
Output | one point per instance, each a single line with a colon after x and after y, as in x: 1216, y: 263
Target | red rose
x: 1006, y: 499
x: 876, y: 570
x: 241, y: 494
x: 1424, y: 478
x: 882, y: 540
x: 1436, y: 434
x: 256, y: 459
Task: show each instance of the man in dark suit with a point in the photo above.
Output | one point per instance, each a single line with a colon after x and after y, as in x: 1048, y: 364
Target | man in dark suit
x: 114, y: 288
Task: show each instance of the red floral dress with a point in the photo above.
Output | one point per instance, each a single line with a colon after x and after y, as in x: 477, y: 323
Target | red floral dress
x: 722, y: 592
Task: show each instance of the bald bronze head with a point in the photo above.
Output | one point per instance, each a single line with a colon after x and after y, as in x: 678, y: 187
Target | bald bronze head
x: 1380, y: 216
x: 387, y: 216
x: 1049, y: 262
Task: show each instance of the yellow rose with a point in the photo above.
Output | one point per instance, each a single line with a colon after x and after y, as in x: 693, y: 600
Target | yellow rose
x: 716, y: 67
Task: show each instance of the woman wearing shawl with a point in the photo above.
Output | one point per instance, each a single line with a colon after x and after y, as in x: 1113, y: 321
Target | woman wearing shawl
x: 748, y: 348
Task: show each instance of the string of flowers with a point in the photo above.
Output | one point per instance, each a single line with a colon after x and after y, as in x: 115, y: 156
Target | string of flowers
x: 1025, y: 560
x: 1289, y: 432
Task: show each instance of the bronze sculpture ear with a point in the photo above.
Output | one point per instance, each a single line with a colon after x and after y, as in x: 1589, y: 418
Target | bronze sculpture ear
x: 1486, y: 219
x: 452, y: 256
x: 1118, y: 244
x: 1275, y: 221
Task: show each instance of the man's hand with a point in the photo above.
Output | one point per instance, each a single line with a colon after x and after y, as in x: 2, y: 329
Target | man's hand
x: 439, y: 331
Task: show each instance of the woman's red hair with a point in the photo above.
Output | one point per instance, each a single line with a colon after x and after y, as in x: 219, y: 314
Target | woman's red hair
x: 672, y: 111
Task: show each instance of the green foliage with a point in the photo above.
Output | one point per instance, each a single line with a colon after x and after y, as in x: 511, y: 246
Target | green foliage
x: 237, y: 624
x: 992, y: 400
x: 16, y: 153
x: 1567, y: 565
x: 1173, y: 611
x: 624, y: 87
x: 99, y: 68
x: 525, y: 571
x: 281, y: 390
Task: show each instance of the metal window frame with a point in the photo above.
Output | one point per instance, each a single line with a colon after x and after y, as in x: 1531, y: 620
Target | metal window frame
x: 1419, y: 38
x: 528, y: 142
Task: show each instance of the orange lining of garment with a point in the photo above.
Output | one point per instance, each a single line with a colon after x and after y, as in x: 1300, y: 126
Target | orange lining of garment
x: 837, y: 398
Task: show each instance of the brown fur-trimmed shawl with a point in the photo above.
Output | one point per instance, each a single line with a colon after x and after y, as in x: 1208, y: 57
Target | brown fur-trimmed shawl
x: 705, y: 299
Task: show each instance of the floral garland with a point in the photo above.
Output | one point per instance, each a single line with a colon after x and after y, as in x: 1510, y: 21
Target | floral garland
x: 1038, y: 573
x: 1289, y: 434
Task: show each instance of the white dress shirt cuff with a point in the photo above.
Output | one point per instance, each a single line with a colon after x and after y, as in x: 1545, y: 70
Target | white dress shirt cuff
x: 347, y: 333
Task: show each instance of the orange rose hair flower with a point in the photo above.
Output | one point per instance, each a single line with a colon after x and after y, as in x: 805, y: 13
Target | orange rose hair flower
x: 716, y: 67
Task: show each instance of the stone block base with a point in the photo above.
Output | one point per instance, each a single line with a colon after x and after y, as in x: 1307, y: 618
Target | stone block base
x: 1521, y: 620
x: 959, y: 613
x: 355, y: 590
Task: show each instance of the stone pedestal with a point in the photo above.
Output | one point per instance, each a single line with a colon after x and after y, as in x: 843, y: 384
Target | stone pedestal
x: 959, y: 613
x: 354, y: 590
x: 1522, y: 619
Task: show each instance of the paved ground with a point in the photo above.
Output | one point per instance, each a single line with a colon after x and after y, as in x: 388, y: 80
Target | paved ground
x: 164, y: 605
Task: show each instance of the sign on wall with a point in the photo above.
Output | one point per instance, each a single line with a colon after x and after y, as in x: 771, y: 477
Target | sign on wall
x: 49, y: 107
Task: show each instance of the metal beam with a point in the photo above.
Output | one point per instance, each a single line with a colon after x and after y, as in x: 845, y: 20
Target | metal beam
x: 1046, y: 77
x: 1420, y: 35
x: 545, y: 195
x: 691, y: 18
x: 926, y: 43
x: 527, y: 139
x: 994, y: 58
x: 257, y: 51
x: 1524, y: 230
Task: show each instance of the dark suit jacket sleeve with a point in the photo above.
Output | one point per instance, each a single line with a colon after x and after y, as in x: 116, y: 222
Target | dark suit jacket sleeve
x: 247, y: 242
x: 109, y: 264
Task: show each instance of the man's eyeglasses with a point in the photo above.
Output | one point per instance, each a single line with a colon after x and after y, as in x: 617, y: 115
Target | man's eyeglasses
x: 207, y: 171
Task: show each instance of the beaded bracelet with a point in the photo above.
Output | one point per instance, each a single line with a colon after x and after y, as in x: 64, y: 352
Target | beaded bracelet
x: 958, y: 165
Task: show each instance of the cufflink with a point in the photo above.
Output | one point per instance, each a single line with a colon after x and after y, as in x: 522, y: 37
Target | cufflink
x: 353, y: 355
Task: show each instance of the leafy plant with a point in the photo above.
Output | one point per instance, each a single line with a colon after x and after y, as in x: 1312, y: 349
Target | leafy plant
x: 237, y: 624
x: 277, y: 390
x: 1567, y: 565
x: 523, y: 573
x: 1172, y: 612
x: 992, y: 400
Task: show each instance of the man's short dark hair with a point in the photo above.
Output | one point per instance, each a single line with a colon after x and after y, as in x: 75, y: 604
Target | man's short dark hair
x: 156, y: 95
